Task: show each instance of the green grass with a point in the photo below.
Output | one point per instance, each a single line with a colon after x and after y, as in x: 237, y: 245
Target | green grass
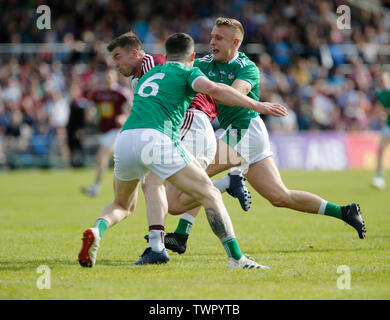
x: 43, y: 216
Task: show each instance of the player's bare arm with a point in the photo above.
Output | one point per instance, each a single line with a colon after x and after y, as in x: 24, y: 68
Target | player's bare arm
x: 242, y: 86
x: 231, y: 97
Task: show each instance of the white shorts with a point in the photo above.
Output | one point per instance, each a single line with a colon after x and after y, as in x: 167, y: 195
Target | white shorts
x: 139, y: 151
x: 109, y: 138
x: 198, y: 135
x: 251, y: 143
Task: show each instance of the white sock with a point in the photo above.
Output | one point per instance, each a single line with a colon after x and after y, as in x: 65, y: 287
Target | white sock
x: 236, y: 171
x: 96, y: 186
x: 188, y: 217
x: 322, y: 208
x: 156, y: 240
x: 222, y: 184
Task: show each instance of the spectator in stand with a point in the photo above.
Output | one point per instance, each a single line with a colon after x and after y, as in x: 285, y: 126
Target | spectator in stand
x: 288, y: 124
x: 75, y: 126
x: 299, y: 41
x: 58, y: 110
x: 323, y: 105
x: 41, y: 142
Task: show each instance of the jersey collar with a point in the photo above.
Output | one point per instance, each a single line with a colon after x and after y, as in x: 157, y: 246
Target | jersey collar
x: 234, y: 58
x: 177, y: 62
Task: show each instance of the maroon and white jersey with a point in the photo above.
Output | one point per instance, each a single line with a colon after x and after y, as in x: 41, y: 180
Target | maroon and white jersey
x: 148, y: 62
x: 205, y: 104
x: 152, y: 60
x: 110, y: 105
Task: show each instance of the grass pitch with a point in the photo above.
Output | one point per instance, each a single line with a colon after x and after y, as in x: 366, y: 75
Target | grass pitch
x: 43, y: 215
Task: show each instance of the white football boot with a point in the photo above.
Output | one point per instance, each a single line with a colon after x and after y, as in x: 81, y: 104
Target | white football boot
x: 378, y: 182
x: 245, y: 262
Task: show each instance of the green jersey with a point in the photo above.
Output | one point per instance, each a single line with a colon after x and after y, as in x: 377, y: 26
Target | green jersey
x: 384, y: 99
x: 162, y: 97
x: 240, y: 67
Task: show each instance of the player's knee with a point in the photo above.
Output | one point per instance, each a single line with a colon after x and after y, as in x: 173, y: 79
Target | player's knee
x: 121, y: 210
x: 175, y: 210
x: 175, y: 206
x: 181, y: 204
x: 279, y: 199
x: 210, y: 193
x: 129, y: 209
x: 126, y: 207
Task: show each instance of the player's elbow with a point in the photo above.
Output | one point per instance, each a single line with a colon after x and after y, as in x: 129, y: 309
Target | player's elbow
x: 208, y: 87
x: 214, y: 90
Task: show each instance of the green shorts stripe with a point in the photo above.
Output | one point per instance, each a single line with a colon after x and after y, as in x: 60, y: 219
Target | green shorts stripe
x: 233, y: 136
x: 182, y: 152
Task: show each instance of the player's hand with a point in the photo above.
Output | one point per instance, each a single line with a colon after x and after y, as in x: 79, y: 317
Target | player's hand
x: 273, y: 109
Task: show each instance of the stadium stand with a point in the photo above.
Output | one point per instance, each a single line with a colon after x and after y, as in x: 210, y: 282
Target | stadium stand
x: 324, y: 75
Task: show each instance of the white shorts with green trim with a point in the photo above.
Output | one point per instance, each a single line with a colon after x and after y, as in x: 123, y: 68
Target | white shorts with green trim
x: 251, y: 143
x: 139, y: 151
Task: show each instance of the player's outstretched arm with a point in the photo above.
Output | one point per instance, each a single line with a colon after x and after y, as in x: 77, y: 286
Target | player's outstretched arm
x: 231, y: 97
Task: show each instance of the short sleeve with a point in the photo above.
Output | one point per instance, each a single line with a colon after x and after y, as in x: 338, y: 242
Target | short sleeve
x: 195, y: 73
x: 250, y: 74
x: 196, y: 63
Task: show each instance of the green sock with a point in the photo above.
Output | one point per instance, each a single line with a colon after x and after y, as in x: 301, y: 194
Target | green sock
x: 232, y: 249
x: 185, y: 224
x: 333, y: 210
x: 102, y: 225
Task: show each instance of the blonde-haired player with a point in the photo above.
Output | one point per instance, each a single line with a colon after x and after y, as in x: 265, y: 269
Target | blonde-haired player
x: 244, y: 137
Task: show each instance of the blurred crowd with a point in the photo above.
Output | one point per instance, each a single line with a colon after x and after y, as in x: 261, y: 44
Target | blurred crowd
x: 324, y: 75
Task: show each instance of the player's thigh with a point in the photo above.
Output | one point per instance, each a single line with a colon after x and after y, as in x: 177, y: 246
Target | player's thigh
x: 226, y: 154
x: 173, y: 194
x: 126, y: 192
x: 264, y: 177
x: 151, y: 183
x: 241, y: 147
x: 225, y: 158
x: 105, y: 153
x: 193, y: 181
